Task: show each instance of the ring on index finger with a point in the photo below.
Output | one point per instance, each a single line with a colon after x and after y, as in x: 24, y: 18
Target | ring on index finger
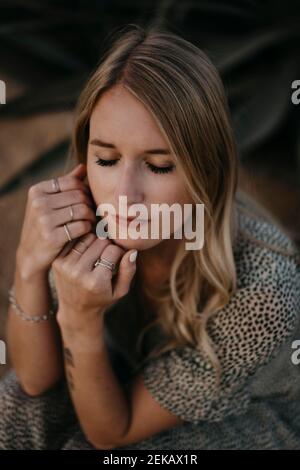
x: 71, y: 213
x: 55, y: 185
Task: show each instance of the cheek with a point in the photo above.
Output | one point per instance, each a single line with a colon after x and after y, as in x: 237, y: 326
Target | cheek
x: 171, y: 192
x: 175, y: 193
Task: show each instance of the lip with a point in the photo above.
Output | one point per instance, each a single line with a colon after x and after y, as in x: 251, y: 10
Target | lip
x: 124, y: 218
x: 129, y: 219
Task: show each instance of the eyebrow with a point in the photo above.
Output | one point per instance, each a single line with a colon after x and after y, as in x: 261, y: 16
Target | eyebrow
x: 157, y: 151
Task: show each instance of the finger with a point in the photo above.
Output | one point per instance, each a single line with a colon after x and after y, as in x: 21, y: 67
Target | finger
x: 75, y: 229
x: 126, y: 272
x: 66, y: 249
x: 100, y: 248
x: 66, y: 183
x: 80, y: 245
x: 81, y: 211
x: 72, y: 180
x: 79, y: 171
x: 60, y: 200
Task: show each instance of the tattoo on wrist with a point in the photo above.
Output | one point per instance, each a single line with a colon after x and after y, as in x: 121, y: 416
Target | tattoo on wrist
x: 69, y: 357
x: 70, y: 380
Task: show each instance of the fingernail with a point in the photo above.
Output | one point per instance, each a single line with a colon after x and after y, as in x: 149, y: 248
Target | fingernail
x: 133, y: 256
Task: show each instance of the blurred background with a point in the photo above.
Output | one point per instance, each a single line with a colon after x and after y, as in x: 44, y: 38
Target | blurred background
x: 48, y: 49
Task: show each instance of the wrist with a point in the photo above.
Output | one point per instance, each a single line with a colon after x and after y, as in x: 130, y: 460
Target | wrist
x: 76, y: 322
x: 26, y: 269
x: 85, y: 336
x: 93, y: 342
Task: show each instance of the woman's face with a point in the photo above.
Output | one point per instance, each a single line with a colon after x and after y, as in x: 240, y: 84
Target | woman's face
x: 128, y: 156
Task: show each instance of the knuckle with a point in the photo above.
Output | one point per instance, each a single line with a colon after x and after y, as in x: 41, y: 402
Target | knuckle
x: 47, y: 235
x: 56, y: 263
x: 33, y: 191
x: 75, y: 274
x: 92, y: 285
x: 39, y: 202
x: 44, y: 219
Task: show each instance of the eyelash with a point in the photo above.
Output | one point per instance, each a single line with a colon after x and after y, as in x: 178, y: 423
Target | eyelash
x: 154, y: 169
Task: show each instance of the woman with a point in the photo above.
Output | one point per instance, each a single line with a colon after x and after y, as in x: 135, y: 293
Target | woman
x: 153, y: 345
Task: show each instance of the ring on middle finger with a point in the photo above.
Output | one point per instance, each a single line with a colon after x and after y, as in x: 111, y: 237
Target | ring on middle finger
x: 67, y: 232
x: 71, y: 213
x: 80, y: 243
x: 77, y: 251
x: 106, y: 263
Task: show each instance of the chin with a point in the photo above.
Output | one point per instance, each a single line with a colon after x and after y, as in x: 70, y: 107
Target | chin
x: 126, y: 242
x: 139, y: 244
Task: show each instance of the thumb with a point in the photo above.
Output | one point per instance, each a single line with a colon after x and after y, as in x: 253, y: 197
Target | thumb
x: 79, y: 171
x: 127, y: 268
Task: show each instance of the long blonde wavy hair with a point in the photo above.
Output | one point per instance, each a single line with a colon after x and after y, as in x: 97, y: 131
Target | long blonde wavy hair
x: 182, y: 89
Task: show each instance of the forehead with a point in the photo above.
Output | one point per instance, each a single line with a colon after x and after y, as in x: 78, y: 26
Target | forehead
x: 119, y: 115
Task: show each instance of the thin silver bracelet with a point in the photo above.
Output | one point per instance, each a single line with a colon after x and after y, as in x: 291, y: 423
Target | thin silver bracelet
x: 22, y: 314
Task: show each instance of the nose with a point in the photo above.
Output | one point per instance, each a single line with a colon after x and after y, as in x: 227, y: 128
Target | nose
x: 130, y: 185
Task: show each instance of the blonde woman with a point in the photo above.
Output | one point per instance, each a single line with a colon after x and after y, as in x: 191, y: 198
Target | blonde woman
x: 151, y: 345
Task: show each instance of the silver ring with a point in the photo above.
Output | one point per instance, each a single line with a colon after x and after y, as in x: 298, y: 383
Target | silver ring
x: 76, y: 251
x: 67, y: 232
x: 77, y: 244
x: 71, y: 213
x: 106, y: 264
x: 55, y: 185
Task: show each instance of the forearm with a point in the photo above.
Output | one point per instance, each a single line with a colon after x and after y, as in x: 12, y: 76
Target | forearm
x: 100, y: 401
x: 34, y: 348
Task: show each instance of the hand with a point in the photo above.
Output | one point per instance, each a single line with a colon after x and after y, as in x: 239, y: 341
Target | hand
x: 43, y: 235
x: 85, y: 291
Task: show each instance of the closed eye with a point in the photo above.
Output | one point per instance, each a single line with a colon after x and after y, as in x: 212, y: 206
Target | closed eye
x: 153, y: 168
